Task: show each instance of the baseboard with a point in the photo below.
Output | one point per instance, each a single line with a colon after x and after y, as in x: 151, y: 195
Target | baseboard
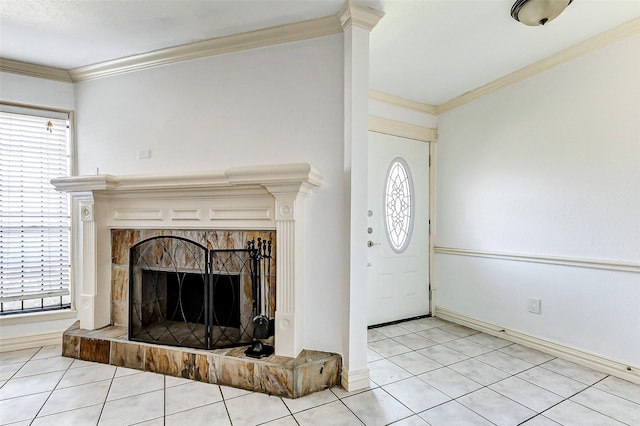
x: 31, y: 341
x: 355, y: 380
x: 587, y: 359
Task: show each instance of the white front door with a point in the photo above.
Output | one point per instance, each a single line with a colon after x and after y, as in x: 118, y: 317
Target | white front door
x: 398, y: 228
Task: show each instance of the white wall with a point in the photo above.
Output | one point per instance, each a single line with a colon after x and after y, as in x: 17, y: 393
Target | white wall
x: 41, y: 93
x: 277, y: 104
x: 36, y: 91
x: 549, y: 166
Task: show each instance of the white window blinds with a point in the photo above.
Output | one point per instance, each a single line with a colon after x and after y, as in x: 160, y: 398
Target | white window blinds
x: 34, y: 217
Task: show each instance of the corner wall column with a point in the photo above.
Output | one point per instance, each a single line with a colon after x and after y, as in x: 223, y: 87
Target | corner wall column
x: 357, y: 21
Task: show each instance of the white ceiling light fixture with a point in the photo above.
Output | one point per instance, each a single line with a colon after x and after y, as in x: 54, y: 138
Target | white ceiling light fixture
x: 537, y: 12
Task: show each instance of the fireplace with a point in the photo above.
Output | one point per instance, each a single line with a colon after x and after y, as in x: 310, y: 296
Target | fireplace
x: 255, y: 199
x: 219, y: 211
x: 183, y: 294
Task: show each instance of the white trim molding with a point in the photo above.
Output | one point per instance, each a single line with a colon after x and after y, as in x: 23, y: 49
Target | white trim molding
x: 387, y: 98
x: 587, y: 359
x: 549, y: 260
x: 578, y: 50
x: 261, y: 197
x: 43, y: 316
x: 401, y: 129
x: 297, y: 31
x: 31, y: 341
x: 350, y: 14
x: 358, y: 15
x: 33, y: 70
x: 355, y: 380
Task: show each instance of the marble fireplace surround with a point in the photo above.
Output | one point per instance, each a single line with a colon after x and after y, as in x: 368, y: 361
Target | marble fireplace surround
x: 265, y: 197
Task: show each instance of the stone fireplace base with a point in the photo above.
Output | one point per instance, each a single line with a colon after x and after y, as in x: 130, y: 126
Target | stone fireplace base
x: 309, y: 372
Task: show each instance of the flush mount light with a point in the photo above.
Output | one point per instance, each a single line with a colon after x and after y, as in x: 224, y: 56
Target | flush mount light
x: 537, y: 12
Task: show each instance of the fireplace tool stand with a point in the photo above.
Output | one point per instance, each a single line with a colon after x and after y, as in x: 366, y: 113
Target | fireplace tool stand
x: 261, y: 294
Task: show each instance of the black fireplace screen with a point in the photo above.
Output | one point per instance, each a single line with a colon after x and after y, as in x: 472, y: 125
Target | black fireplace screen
x: 182, y: 294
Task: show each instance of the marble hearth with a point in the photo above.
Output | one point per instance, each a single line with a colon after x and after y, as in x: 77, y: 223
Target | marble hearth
x: 217, y: 208
x: 310, y: 371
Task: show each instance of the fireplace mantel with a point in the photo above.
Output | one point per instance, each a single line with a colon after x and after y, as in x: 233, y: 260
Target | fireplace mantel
x: 260, y: 197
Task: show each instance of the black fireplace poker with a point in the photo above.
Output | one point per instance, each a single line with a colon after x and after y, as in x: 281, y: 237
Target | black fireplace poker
x: 262, y: 256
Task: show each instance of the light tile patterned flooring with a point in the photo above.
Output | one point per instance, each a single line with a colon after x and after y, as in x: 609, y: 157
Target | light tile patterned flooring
x: 423, y: 372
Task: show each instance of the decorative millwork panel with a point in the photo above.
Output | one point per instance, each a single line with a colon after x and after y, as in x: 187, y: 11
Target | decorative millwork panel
x: 137, y: 214
x: 285, y: 257
x: 286, y: 209
x: 86, y: 212
x: 236, y: 213
x: 185, y: 214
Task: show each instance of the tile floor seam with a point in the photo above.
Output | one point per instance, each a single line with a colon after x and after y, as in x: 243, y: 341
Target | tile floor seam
x: 552, y: 391
x: 279, y: 418
x: 310, y: 408
x: 593, y: 409
x: 541, y: 413
x: 473, y: 411
x: 350, y: 410
x: 402, y: 403
x: 52, y: 390
x: 531, y: 418
x: 498, y: 368
x: 564, y: 375
x: 15, y: 372
x: 64, y: 411
x: 224, y: 401
x: 483, y: 387
x: 104, y: 403
x: 613, y: 394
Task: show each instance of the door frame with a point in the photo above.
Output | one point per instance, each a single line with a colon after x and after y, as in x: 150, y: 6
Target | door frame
x: 430, y: 136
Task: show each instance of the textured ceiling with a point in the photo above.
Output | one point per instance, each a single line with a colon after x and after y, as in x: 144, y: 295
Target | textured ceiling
x: 426, y: 50
x: 433, y: 51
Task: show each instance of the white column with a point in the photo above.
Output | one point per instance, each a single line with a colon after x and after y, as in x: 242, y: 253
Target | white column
x: 289, y: 327
x: 357, y: 22
x: 86, y: 270
x: 92, y: 262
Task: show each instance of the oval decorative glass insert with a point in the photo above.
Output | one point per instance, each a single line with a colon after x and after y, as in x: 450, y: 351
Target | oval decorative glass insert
x: 398, y: 205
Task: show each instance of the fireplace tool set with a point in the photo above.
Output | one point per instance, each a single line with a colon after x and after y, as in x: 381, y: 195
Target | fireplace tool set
x: 261, y: 294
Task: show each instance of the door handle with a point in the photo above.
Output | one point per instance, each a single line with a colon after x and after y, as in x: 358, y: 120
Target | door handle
x: 371, y: 244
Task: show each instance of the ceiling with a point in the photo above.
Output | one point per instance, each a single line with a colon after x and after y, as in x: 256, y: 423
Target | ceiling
x: 426, y: 50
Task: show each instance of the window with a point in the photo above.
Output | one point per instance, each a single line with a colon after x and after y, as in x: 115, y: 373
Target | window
x: 398, y: 205
x: 35, y: 220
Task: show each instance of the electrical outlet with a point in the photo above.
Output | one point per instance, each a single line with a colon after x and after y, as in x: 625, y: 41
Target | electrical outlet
x: 144, y: 154
x: 534, y: 306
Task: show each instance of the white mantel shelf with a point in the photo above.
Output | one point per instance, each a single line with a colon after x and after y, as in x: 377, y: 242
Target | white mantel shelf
x: 264, y: 175
x: 259, y: 197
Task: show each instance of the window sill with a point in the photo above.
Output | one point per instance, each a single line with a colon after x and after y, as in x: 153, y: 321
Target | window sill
x: 38, y: 317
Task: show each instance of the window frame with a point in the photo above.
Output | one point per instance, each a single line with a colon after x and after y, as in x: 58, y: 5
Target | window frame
x: 48, y: 314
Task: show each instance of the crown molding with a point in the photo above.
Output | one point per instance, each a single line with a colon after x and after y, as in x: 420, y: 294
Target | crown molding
x: 576, y: 51
x: 33, y: 70
x: 298, y: 31
x: 358, y: 15
x: 390, y: 99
